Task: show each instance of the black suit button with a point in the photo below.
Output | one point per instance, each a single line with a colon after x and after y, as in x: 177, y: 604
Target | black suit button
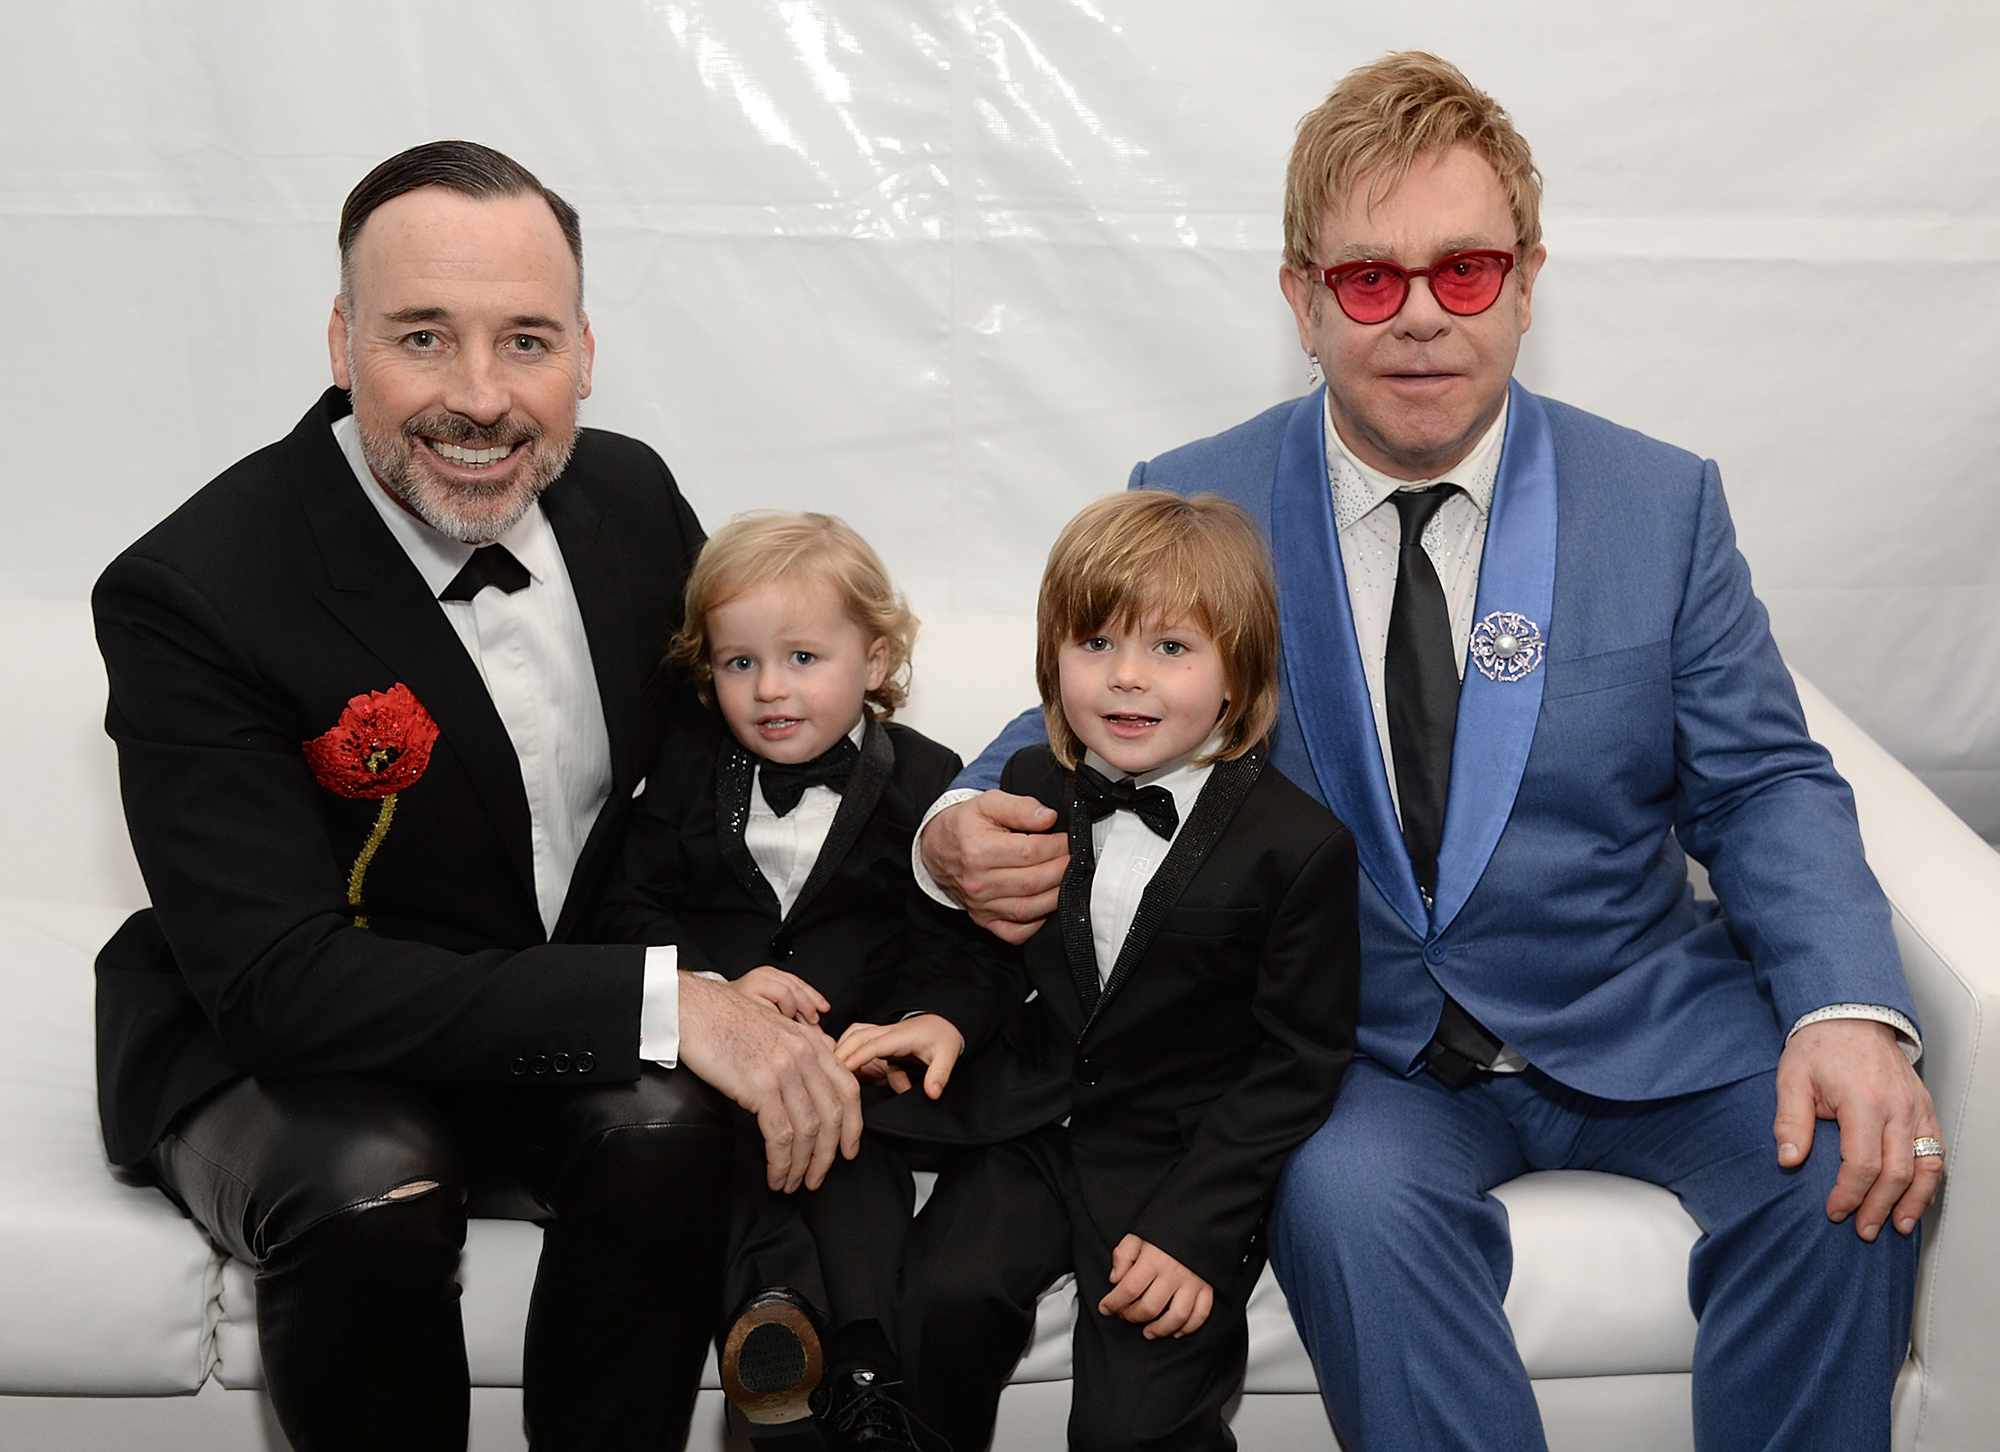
x: 560, y: 1063
x: 585, y: 1062
x: 541, y: 1065
x: 1086, y: 1070
x: 517, y: 1065
x: 780, y: 950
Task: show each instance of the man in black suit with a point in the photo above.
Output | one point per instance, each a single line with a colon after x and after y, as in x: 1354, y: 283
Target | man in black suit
x: 380, y: 702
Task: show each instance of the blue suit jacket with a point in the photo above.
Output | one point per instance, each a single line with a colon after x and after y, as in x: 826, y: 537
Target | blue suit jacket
x: 1660, y: 721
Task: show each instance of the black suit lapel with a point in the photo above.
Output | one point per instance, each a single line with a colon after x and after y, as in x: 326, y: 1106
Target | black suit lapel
x: 857, y: 804
x: 381, y: 598
x: 1073, y: 902
x: 597, y: 576
x: 735, y: 770
x: 1227, y: 785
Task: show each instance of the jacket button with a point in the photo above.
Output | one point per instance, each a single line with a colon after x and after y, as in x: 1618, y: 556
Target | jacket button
x: 1086, y: 1070
x: 560, y: 1063
x: 517, y: 1065
x: 1435, y: 953
x: 541, y: 1064
x: 585, y: 1062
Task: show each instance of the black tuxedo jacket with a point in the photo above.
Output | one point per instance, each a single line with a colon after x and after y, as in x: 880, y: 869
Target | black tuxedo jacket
x: 1218, y: 1041
x: 686, y: 877
x: 237, y: 630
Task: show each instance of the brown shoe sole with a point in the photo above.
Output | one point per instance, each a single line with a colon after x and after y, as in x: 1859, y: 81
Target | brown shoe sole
x: 771, y: 1362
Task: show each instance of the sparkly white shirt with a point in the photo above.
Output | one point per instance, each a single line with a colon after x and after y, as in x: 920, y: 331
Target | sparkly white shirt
x: 1128, y: 852
x: 785, y: 848
x: 531, y: 651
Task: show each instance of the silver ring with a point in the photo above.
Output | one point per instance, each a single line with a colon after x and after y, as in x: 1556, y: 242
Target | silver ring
x: 1930, y: 1147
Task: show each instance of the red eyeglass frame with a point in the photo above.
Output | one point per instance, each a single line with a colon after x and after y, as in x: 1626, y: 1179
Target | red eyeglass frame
x: 1332, y: 275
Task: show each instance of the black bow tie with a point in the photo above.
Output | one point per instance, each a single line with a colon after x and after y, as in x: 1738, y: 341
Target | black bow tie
x: 1153, y: 805
x: 490, y: 565
x: 783, y: 783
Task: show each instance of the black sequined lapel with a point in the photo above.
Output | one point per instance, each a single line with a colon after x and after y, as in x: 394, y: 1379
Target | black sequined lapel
x: 1227, y: 785
x: 857, y: 804
x: 735, y: 771
x: 1073, y: 902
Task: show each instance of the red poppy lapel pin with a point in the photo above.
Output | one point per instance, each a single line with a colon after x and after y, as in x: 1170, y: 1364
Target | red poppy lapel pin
x: 380, y: 745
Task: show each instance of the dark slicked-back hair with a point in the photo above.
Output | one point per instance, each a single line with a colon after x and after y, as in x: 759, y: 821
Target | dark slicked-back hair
x: 464, y: 167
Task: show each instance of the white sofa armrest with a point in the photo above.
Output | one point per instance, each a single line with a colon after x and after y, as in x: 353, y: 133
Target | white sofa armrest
x: 1943, y: 884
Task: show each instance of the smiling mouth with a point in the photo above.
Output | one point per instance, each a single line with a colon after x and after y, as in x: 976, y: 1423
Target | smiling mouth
x: 474, y: 459
x: 777, y: 723
x: 1129, y: 721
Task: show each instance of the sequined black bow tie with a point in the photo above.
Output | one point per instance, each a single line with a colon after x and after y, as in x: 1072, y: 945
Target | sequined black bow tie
x: 1153, y: 805
x: 783, y: 783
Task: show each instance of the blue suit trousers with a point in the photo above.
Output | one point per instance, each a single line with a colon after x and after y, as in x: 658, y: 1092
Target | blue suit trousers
x: 1395, y: 1260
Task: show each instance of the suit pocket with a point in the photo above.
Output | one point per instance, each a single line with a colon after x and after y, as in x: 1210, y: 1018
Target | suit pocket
x: 1211, y: 922
x: 1606, y: 671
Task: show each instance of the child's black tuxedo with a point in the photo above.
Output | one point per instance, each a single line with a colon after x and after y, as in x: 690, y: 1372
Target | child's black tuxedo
x: 1215, y: 1047
x: 687, y: 878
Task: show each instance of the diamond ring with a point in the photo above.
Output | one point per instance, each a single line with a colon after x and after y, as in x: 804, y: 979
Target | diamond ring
x: 1930, y: 1147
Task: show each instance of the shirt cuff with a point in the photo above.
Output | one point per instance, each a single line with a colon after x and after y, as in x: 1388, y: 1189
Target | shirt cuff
x: 1907, y: 1038
x: 922, y: 873
x: 660, y: 1008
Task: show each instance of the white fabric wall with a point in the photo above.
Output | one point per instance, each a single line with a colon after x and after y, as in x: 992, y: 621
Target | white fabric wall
x: 948, y: 267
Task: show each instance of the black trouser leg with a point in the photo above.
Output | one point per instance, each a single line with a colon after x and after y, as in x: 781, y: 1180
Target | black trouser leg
x: 347, y: 1196
x: 624, y: 1301
x: 993, y: 1236
x: 859, y: 1220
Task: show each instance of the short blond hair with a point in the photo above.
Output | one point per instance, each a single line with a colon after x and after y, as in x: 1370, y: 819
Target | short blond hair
x: 765, y: 546
x: 1377, y: 122
x: 1144, y: 555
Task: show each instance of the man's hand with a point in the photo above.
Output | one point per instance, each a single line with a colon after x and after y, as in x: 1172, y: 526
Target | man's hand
x: 790, y: 994
x: 1852, y: 1070
x: 1000, y: 856
x: 872, y: 1051
x: 807, y: 1106
x: 1151, y: 1288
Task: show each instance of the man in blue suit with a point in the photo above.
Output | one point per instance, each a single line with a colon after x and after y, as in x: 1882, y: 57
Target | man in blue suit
x: 1524, y: 663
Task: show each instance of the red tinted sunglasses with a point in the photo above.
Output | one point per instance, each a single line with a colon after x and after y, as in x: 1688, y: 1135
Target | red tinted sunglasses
x: 1464, y: 283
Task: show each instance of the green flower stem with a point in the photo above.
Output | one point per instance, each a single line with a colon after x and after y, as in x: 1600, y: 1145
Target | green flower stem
x: 366, y: 855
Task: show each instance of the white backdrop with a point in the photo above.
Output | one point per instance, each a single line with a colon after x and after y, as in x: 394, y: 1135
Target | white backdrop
x: 948, y: 267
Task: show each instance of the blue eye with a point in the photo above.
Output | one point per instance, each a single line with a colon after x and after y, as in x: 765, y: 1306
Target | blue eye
x: 423, y: 340
x: 803, y: 657
x: 737, y: 663
x: 527, y: 343
x: 1095, y: 643
x: 1172, y: 647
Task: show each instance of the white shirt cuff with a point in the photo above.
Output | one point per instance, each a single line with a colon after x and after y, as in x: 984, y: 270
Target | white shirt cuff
x: 660, y: 1008
x: 1906, y: 1032
x: 917, y: 869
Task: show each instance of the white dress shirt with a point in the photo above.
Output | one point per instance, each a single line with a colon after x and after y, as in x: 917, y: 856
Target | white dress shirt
x: 785, y: 848
x: 1128, y: 852
x: 531, y: 652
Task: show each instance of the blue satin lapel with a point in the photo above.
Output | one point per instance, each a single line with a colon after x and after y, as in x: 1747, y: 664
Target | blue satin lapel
x: 1316, y: 622
x: 1496, y: 722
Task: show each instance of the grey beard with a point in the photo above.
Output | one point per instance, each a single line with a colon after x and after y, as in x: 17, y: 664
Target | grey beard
x: 392, y: 463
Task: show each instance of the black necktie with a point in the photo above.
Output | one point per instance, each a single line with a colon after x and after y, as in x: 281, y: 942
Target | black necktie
x: 784, y: 783
x: 1420, y: 679
x: 490, y: 565
x: 1153, y: 805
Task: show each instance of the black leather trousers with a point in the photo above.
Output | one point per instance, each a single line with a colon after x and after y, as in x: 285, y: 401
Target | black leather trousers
x: 349, y: 1198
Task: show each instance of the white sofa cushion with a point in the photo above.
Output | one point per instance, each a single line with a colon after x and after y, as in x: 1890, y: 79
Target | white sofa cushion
x: 1599, y: 1289
x: 107, y: 1285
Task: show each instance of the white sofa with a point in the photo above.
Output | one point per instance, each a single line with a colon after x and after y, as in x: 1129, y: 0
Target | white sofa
x: 119, y: 1325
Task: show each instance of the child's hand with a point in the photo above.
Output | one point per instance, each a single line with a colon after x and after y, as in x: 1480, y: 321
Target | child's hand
x: 870, y: 1051
x: 790, y: 994
x: 1151, y: 1288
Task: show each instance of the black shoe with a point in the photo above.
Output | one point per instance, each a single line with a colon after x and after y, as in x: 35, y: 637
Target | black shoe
x: 857, y: 1414
x: 771, y: 1358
